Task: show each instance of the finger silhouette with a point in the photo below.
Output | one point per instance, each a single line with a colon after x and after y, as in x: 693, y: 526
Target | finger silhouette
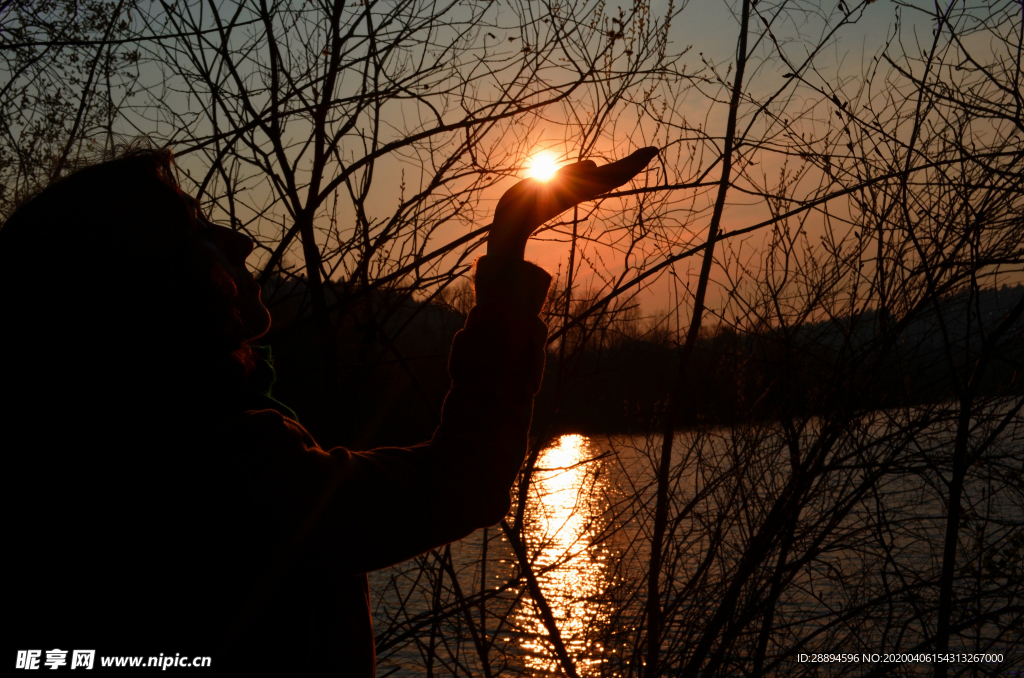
x: 585, y: 180
x: 617, y: 173
x: 530, y: 203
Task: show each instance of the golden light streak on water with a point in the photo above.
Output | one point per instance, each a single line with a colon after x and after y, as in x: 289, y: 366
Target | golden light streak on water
x: 564, y: 514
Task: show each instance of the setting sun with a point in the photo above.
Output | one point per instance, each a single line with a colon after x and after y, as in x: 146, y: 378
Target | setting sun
x: 542, y: 166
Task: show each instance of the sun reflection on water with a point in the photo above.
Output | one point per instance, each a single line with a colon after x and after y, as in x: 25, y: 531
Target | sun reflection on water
x: 563, y: 520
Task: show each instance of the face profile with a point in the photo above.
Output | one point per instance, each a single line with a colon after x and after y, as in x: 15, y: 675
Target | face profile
x: 229, y: 249
x: 98, y: 230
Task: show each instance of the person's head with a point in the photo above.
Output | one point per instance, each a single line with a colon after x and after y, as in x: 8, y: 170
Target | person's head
x: 115, y: 263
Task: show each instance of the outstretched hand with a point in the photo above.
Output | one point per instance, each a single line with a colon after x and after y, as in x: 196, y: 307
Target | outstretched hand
x: 531, y: 202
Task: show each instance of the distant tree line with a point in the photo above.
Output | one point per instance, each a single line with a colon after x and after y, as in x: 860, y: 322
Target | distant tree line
x: 617, y: 382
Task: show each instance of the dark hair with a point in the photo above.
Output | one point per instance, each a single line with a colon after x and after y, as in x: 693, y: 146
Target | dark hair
x: 102, y: 277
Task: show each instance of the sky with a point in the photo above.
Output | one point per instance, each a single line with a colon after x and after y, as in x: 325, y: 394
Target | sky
x: 709, y: 29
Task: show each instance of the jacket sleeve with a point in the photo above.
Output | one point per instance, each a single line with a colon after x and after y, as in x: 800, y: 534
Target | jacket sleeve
x: 367, y: 510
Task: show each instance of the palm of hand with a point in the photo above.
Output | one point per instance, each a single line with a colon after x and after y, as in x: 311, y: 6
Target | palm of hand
x: 530, y: 203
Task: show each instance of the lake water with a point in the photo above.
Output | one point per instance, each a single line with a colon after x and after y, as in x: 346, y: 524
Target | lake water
x: 587, y: 526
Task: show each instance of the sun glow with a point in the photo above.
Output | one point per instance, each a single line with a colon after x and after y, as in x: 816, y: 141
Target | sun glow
x: 542, y: 166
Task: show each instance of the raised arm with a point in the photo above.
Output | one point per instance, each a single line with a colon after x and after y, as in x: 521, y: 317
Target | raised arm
x: 368, y: 510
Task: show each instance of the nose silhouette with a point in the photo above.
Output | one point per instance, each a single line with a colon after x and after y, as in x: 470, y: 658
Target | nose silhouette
x: 237, y: 246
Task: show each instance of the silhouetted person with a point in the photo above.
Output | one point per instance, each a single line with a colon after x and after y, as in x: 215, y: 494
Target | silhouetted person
x: 162, y: 501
